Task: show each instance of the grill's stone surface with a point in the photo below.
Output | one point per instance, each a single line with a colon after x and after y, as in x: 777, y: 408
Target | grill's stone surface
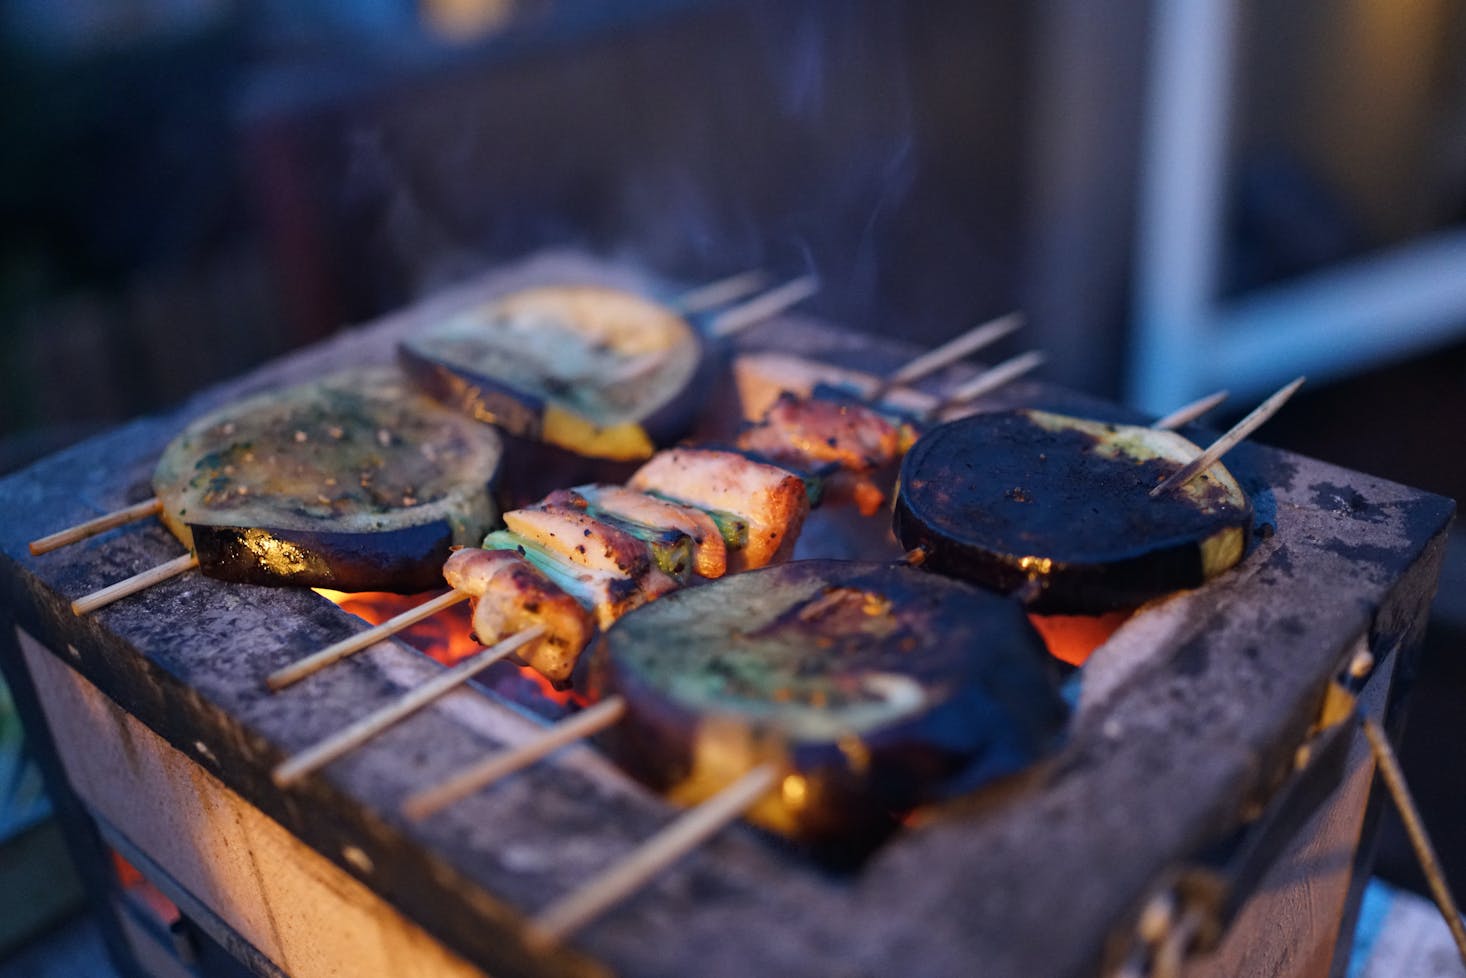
x: 1188, y: 714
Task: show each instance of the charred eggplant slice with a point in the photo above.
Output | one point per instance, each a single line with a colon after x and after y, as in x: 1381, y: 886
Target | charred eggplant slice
x: 1057, y: 509
x: 354, y: 482
x: 874, y: 687
x: 597, y: 371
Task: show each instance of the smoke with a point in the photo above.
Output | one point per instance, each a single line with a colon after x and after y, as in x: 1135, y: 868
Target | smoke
x: 781, y: 135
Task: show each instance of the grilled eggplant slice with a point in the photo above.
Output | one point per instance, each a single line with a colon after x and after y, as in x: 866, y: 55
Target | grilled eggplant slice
x: 874, y: 687
x: 354, y: 482
x: 599, y: 372
x: 1057, y: 509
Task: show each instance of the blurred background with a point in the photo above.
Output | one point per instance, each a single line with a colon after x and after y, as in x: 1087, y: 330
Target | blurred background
x: 1224, y: 193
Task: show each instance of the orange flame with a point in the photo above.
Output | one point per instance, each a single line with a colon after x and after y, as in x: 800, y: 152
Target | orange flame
x: 1073, y: 638
x: 446, y: 637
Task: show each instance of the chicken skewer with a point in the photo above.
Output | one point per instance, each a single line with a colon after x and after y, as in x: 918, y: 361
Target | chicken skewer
x: 659, y: 476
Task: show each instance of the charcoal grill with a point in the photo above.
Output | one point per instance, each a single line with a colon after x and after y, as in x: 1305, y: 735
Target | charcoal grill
x: 1187, y: 722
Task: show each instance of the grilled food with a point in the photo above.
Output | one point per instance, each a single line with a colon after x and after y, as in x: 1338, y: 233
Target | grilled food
x: 508, y: 594
x: 874, y: 687
x: 759, y: 508
x: 353, y: 482
x: 611, y: 549
x: 854, y: 445
x: 1057, y: 510
x: 596, y: 371
x: 666, y: 526
x: 828, y: 429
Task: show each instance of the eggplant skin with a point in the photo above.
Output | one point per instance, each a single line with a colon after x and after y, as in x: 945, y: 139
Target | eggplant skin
x: 353, y: 474
x: 484, y: 398
x: 406, y: 560
x: 1057, y: 510
x: 874, y: 687
x: 595, y: 414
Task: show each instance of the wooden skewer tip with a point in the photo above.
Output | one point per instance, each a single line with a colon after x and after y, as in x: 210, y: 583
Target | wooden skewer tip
x: 1187, y: 413
x: 963, y: 345
x: 354, y: 735
x: 991, y: 380
x: 505, y: 762
x: 764, y: 307
x: 723, y: 290
x: 86, y: 604
x: 317, y: 661
x: 90, y: 528
x: 656, y: 854
x: 1228, y: 441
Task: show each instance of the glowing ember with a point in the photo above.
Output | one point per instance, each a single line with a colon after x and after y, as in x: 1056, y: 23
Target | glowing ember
x: 1072, y: 638
x: 447, y: 637
x: 143, y: 891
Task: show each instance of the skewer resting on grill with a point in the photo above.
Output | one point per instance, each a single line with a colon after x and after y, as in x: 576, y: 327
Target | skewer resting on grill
x: 369, y: 726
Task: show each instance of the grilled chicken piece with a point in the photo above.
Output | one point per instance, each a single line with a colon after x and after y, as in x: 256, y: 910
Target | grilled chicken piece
x: 637, y: 511
x: 608, y: 594
x: 507, y: 595
x: 771, y: 500
x: 581, y: 539
x: 810, y: 431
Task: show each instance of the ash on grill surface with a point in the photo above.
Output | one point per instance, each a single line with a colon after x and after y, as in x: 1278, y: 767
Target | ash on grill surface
x: 1190, y: 712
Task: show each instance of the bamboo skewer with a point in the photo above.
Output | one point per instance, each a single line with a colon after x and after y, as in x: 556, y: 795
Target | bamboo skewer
x: 74, y: 534
x: 138, y: 582
x: 358, y: 733
x: 721, y: 292
x: 763, y: 307
x: 690, y: 830
x: 989, y: 380
x: 1187, y: 413
x: 504, y: 763
x: 315, y: 662
x: 948, y: 353
x: 1227, y: 442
